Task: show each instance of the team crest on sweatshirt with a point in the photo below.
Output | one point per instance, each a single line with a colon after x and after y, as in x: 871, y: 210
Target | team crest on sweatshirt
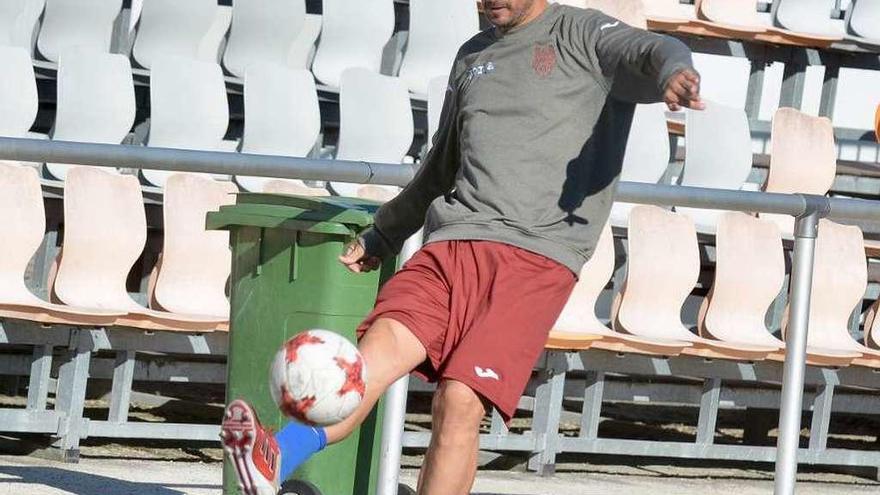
x: 544, y: 60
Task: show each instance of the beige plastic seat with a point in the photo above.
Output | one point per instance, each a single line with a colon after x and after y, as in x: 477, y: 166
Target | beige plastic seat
x: 24, y: 223
x: 578, y: 327
x: 840, y: 278
x: 104, y: 234
x: 664, y: 263
x: 628, y: 11
x: 735, y: 16
x: 803, y: 158
x: 195, y: 262
x: 669, y: 15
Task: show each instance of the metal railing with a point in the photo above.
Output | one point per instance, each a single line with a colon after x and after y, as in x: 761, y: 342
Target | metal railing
x: 807, y: 209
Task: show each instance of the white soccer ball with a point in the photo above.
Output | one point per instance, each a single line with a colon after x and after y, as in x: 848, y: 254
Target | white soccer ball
x: 318, y: 377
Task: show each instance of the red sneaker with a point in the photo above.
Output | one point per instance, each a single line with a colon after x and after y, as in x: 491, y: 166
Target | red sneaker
x: 251, y: 448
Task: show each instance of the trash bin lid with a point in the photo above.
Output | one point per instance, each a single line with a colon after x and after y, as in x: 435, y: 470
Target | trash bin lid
x: 330, y: 215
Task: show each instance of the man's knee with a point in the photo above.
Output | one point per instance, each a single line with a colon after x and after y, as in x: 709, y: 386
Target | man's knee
x: 457, y: 410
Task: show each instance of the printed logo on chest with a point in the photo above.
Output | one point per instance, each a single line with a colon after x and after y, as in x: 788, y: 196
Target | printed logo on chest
x: 544, y: 60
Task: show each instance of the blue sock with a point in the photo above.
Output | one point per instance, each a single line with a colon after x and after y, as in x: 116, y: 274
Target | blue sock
x: 297, y: 443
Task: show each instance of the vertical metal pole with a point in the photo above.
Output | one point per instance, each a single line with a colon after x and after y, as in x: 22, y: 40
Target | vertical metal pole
x: 395, y: 410
x: 806, y: 229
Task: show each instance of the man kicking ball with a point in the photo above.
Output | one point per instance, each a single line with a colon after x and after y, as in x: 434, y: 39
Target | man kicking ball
x: 517, y: 188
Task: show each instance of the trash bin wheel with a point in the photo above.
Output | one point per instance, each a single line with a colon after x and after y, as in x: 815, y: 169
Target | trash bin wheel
x: 299, y: 487
x: 405, y: 490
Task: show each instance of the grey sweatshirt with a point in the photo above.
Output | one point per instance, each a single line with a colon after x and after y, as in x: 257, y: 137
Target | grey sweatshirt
x: 532, y: 135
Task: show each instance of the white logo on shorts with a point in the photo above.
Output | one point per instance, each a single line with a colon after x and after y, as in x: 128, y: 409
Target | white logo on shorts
x: 486, y: 373
x: 603, y: 27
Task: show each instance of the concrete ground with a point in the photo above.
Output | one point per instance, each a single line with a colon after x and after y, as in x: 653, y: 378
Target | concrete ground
x: 112, y: 476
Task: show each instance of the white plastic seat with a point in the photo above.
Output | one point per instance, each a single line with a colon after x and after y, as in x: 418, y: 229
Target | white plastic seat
x: 263, y: 31
x: 578, y: 327
x: 77, y: 23
x: 664, y: 263
x: 436, y: 32
x: 24, y: 224
x: 175, y: 28
x: 803, y: 158
x: 718, y: 155
x: 18, y: 92
x: 354, y: 34
x: 628, y: 11
x: 304, y: 46
x: 807, y: 17
x: 188, y: 108
x: 437, y: 91
x: 104, y: 234
x: 733, y: 15
x: 368, y: 135
x: 195, y: 262
x: 647, y: 154
x: 669, y: 11
x: 18, y: 22
x: 863, y: 21
x: 96, y: 102
x: 281, y: 118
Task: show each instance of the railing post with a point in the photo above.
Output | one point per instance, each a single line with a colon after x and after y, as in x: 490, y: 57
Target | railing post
x: 805, y: 232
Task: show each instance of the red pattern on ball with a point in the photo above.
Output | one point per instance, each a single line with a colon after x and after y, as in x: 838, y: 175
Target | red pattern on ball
x: 292, y: 346
x: 354, y: 381
x: 294, y: 408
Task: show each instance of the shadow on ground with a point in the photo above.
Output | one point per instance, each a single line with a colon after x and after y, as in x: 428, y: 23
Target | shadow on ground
x: 89, y: 484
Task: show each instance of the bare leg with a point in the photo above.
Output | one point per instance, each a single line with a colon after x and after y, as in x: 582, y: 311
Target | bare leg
x: 451, y: 461
x: 390, y: 351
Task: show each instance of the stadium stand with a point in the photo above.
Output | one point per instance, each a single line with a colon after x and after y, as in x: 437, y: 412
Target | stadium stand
x: 172, y: 28
x: 18, y: 92
x: 798, y: 138
x: 188, y: 108
x: 96, y: 100
x: 436, y: 30
x: 863, y: 22
x: 362, y: 135
x: 74, y: 23
x: 647, y: 154
x: 19, y: 21
x: 354, y: 34
x: 718, y: 155
x: 195, y: 263
x: 283, y: 118
x: 265, y: 32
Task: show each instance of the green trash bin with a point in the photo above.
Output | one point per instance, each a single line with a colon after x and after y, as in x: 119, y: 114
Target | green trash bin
x: 286, y: 279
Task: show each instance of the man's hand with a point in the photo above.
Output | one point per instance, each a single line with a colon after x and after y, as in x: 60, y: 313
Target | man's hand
x: 683, y: 90
x: 356, y: 258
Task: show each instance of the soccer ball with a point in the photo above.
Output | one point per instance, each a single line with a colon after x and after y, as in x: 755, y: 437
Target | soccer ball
x: 318, y: 378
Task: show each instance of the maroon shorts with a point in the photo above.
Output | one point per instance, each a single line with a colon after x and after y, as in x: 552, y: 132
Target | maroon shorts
x: 482, y: 310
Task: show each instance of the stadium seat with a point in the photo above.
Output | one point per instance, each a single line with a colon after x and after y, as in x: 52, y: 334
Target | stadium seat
x: 354, y: 34
x: 188, y: 108
x: 647, y: 154
x: 437, y: 89
x: 631, y: 12
x: 366, y: 134
x: 96, y: 102
x: 104, y: 234
x: 809, y: 18
x: 304, y: 46
x: 668, y: 15
x: 718, y: 155
x: 281, y: 118
x: 840, y: 278
x: 77, y: 23
x: 863, y: 21
x: 731, y: 18
x: 263, y: 32
x: 803, y: 158
x: 24, y: 224
x: 578, y: 328
x: 664, y: 263
x: 175, y: 28
x: 436, y: 31
x: 18, y: 22
x: 195, y: 262
x: 18, y: 92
